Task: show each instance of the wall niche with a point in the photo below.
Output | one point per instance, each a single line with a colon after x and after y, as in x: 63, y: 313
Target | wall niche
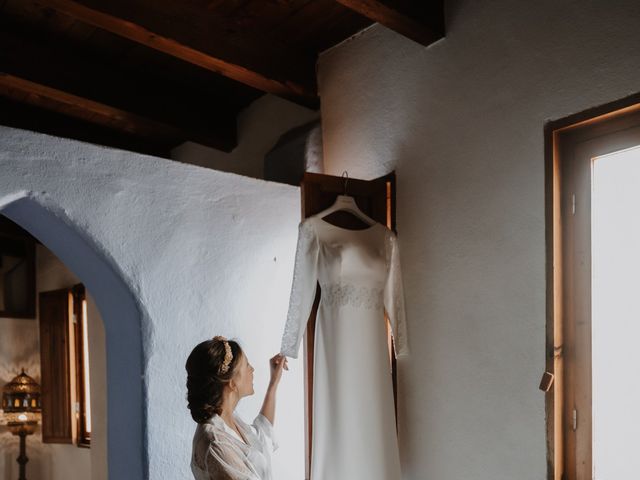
x: 17, y: 271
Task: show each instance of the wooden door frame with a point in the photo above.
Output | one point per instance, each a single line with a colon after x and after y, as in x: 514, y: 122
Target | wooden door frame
x: 569, y: 455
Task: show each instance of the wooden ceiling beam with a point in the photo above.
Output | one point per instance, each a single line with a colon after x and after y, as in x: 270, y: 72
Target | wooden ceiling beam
x: 27, y: 117
x: 49, y: 98
x: 51, y: 70
x: 423, y: 24
x: 200, y: 41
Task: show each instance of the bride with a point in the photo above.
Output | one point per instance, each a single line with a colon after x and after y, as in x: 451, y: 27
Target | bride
x: 225, y: 447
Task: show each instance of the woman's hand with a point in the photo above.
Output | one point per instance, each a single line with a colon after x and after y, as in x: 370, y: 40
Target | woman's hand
x: 277, y: 364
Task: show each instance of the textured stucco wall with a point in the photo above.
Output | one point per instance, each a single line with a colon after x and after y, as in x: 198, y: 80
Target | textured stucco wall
x: 200, y: 252
x: 260, y: 126
x: 461, y: 122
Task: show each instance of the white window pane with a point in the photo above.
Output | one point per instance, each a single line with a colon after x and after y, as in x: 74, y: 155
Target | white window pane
x: 85, y: 358
x: 616, y: 314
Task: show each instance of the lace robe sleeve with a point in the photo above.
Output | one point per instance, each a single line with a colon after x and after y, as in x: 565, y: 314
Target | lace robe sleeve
x: 303, y: 290
x: 394, y: 296
x: 264, y: 430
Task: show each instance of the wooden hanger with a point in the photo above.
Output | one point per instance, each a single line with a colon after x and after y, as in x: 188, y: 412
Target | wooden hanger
x: 346, y: 203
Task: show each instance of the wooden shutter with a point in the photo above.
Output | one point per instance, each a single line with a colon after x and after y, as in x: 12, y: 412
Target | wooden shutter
x: 376, y: 198
x: 55, y: 337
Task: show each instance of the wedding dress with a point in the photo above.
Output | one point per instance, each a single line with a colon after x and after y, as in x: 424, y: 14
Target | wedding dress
x: 354, y: 430
x: 219, y: 453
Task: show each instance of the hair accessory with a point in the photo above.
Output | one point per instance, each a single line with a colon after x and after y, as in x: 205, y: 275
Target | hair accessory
x: 228, y: 356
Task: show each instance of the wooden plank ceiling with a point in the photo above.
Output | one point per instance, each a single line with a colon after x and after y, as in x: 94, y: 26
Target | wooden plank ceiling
x: 149, y: 75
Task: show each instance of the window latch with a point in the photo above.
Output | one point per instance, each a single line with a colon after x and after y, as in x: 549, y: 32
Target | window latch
x: 546, y: 382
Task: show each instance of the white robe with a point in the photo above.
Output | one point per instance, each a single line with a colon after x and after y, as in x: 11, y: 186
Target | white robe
x: 220, y: 454
x: 354, y: 430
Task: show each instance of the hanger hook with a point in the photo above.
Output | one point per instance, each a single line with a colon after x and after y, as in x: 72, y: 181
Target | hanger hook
x: 345, y: 176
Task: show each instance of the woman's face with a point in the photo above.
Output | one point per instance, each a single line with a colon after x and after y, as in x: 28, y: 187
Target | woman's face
x: 243, y: 377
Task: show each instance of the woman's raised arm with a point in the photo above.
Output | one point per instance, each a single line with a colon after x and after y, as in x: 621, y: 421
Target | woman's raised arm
x: 276, y: 364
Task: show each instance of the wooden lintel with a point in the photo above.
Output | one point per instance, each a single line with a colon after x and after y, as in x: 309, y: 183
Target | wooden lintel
x: 49, y: 98
x: 173, y: 38
x: 404, y: 23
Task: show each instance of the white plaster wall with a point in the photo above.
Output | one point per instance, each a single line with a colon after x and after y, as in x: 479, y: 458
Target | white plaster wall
x: 259, y: 127
x: 204, y: 252
x: 461, y: 122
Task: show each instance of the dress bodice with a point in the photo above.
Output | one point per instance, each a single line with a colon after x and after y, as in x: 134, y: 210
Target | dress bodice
x: 350, y: 257
x: 354, y: 268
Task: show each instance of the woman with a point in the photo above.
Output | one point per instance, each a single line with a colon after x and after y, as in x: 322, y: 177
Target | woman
x: 224, y: 447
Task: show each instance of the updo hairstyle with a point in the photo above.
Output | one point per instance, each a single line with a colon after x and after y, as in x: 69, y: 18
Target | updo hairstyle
x: 205, y: 381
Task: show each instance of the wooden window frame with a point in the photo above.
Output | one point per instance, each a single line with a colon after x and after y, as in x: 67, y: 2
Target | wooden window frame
x: 79, y: 297
x: 568, y: 342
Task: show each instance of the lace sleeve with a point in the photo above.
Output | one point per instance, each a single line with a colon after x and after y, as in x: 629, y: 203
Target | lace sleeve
x: 394, y: 296
x: 265, y: 432
x: 303, y: 290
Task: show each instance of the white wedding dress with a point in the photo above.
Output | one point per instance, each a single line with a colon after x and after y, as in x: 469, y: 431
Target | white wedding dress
x: 354, y: 430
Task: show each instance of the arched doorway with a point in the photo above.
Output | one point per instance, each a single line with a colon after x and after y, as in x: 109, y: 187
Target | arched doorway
x: 121, y: 313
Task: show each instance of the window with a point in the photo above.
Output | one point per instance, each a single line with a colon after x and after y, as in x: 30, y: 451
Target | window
x: 593, y: 233
x: 81, y: 354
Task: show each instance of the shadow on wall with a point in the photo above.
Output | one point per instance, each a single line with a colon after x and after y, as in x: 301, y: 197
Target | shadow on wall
x: 121, y: 314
